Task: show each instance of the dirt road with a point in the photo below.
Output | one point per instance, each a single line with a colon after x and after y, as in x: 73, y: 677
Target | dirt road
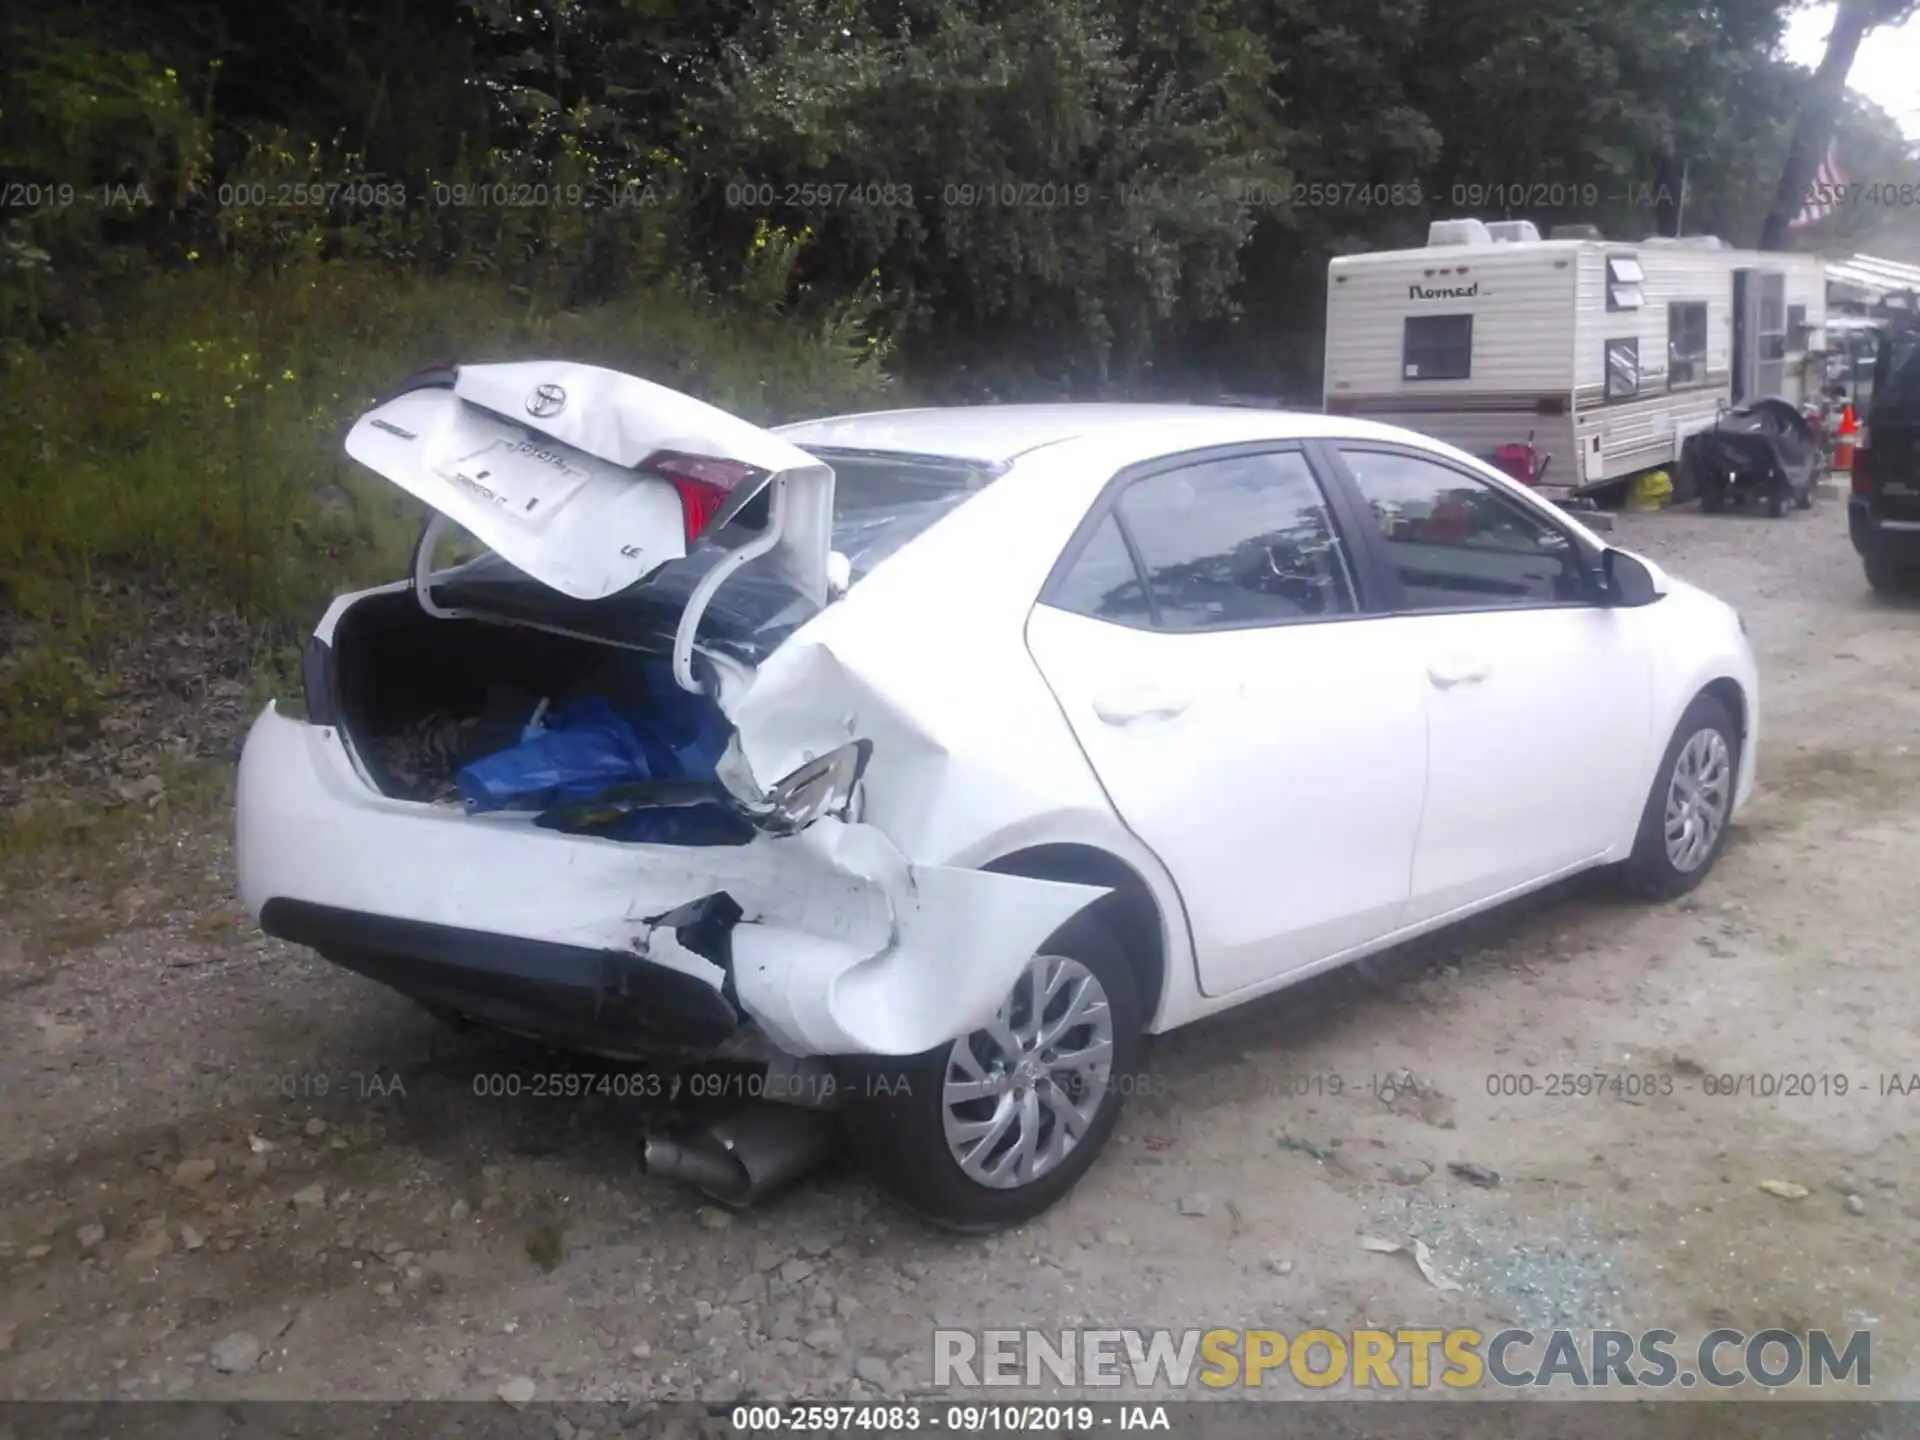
x: 227, y: 1169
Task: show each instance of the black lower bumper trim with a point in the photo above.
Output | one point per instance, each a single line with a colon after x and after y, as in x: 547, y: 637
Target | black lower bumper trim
x: 1871, y: 537
x: 592, y: 999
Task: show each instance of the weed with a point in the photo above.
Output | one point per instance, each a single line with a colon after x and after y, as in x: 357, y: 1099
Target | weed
x: 196, y: 442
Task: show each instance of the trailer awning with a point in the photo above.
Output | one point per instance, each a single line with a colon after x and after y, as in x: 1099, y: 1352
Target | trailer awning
x: 1867, y: 280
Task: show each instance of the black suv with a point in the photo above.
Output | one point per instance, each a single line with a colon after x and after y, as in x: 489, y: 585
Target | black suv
x: 1883, y: 513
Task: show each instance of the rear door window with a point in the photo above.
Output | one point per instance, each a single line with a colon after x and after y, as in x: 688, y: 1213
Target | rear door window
x: 1104, y: 581
x: 1220, y: 544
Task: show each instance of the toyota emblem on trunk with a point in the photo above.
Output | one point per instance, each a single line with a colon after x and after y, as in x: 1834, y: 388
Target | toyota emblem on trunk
x: 546, y: 401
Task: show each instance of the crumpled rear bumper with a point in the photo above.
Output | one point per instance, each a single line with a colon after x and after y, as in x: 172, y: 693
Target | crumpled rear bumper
x: 598, y: 1001
x: 841, y: 946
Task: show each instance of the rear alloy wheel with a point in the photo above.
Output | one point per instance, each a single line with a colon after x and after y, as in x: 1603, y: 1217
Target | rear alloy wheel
x: 1685, y: 821
x: 994, y: 1127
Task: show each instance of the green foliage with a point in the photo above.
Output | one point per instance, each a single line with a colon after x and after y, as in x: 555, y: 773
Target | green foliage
x: 1071, y: 198
x: 98, y: 143
x: 1033, y: 189
x: 48, y: 694
x: 199, y: 440
x: 276, y: 210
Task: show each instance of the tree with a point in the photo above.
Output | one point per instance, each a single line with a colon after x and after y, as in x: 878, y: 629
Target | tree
x: 1820, y: 107
x: 1042, y: 190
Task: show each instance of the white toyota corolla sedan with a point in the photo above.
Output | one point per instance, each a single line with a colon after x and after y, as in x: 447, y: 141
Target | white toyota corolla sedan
x: 933, y: 759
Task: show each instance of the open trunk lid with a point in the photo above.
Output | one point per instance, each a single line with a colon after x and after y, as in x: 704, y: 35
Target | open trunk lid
x: 590, y: 481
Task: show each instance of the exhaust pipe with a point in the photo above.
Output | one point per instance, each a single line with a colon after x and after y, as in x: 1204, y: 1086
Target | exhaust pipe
x: 747, y: 1155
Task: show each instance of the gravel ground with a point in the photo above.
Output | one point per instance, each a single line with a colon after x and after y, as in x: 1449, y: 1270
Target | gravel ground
x: 229, y: 1170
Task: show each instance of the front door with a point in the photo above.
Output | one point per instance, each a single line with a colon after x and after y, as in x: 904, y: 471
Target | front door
x: 1539, y: 699
x: 1258, y: 731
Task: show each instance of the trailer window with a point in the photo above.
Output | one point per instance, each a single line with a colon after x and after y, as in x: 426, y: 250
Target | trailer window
x: 1624, y: 279
x: 1437, y: 347
x: 1623, y: 369
x: 1798, y: 331
x: 1686, y: 344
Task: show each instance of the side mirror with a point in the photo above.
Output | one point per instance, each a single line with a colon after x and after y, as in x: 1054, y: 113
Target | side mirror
x: 1629, y: 583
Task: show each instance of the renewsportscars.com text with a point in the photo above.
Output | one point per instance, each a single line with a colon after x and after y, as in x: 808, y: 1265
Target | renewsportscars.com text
x: 1414, y: 1358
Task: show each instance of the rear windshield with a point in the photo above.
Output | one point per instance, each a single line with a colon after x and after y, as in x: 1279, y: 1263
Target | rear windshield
x: 880, y: 502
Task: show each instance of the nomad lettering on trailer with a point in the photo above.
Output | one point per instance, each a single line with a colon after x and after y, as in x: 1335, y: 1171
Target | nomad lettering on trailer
x: 1443, y: 292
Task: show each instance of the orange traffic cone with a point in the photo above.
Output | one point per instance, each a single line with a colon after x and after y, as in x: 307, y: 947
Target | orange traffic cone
x: 1843, y: 446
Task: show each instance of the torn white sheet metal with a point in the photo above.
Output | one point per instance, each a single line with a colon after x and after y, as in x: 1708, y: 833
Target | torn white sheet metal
x: 1422, y: 1257
x: 957, y: 941
x: 803, y: 703
x: 907, y: 955
x: 807, y: 701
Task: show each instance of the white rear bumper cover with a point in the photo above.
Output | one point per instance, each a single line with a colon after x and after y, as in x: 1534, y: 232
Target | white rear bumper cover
x: 844, y: 947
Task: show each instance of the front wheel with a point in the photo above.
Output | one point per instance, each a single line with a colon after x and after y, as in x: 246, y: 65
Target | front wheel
x: 1684, y: 824
x: 991, y: 1129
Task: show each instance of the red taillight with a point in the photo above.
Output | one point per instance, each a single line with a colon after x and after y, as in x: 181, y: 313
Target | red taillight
x: 1862, y: 472
x: 709, y: 487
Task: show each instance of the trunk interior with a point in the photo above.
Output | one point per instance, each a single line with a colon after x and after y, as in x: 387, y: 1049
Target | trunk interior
x: 422, y: 698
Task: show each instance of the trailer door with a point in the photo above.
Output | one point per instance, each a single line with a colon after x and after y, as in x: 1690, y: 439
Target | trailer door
x: 1759, y: 334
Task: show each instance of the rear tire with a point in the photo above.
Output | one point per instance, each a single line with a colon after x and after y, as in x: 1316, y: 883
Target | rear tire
x: 1713, y: 497
x: 1776, y: 502
x: 912, y: 1121
x: 1886, y: 577
x: 1690, y: 807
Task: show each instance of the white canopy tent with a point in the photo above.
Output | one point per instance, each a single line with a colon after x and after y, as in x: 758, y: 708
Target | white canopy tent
x: 1864, y: 281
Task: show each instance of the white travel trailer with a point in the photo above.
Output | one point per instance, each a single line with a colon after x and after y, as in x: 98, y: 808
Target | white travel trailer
x: 1607, y: 354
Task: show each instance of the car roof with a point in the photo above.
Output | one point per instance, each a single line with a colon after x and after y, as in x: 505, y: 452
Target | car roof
x: 999, y: 434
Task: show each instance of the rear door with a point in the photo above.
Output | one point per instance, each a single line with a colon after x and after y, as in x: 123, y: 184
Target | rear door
x: 1538, y: 697
x: 1888, y: 464
x: 590, y: 480
x: 1208, y: 640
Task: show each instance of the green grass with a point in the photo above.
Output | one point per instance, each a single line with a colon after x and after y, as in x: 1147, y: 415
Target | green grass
x: 195, y: 443
x: 102, y: 840
x: 192, y: 446
x: 49, y: 693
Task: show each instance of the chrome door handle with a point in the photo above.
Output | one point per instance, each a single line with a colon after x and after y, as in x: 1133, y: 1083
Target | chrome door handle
x: 1145, y: 703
